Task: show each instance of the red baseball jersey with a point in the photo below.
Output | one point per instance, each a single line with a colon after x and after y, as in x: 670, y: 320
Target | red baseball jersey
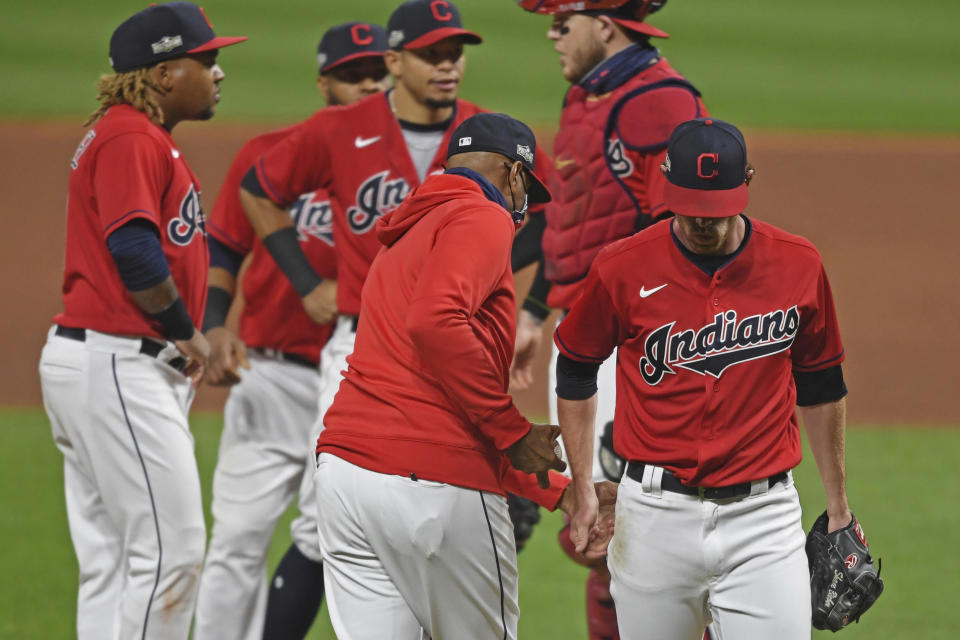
x: 356, y: 153
x: 704, y: 365
x: 127, y: 168
x: 273, y: 317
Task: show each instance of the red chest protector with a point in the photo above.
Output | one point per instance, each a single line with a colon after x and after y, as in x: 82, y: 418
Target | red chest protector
x: 598, y: 185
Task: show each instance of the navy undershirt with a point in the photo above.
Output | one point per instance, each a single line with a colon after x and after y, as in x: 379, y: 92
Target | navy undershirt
x: 138, y: 254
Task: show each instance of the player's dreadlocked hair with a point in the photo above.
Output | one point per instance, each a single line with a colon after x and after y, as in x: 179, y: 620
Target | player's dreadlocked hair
x: 130, y: 87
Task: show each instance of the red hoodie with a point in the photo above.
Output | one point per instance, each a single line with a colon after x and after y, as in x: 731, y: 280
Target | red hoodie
x: 425, y: 391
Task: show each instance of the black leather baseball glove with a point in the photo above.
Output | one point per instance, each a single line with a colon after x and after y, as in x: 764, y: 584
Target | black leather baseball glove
x: 844, y: 582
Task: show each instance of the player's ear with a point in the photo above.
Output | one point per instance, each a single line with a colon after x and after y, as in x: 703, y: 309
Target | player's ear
x: 163, y: 74
x: 606, y: 28
x: 323, y: 87
x: 394, y: 61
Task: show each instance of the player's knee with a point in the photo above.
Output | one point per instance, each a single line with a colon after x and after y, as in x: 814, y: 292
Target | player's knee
x: 240, y: 540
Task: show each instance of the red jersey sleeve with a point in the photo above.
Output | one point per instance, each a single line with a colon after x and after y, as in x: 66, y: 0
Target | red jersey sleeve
x: 300, y: 163
x: 525, y: 485
x: 132, y: 173
x: 591, y: 331
x: 467, y: 261
x: 228, y: 223
x: 818, y: 345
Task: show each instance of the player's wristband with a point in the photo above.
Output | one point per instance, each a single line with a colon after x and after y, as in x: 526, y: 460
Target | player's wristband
x: 285, y: 249
x: 175, y: 320
x: 218, y: 306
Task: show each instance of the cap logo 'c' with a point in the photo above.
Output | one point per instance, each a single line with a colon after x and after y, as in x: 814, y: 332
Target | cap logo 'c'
x: 441, y: 10
x: 465, y: 141
x: 524, y: 152
x: 701, y: 172
x: 361, y: 34
x: 166, y: 44
x: 396, y: 37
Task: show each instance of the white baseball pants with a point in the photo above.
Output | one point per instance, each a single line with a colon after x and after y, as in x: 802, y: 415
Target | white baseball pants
x: 333, y: 362
x: 132, y: 488
x: 679, y: 562
x: 267, y: 423
x: 404, y: 557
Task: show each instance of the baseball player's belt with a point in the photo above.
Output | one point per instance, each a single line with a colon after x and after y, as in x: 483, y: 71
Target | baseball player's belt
x: 274, y: 354
x: 670, y: 482
x: 148, y: 347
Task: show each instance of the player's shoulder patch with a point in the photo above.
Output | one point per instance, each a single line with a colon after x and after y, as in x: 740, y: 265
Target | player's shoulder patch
x: 646, y: 118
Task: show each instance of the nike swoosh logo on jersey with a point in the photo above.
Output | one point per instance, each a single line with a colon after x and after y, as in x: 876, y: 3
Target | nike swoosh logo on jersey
x: 560, y: 164
x: 174, y: 153
x: 360, y: 143
x: 649, y: 292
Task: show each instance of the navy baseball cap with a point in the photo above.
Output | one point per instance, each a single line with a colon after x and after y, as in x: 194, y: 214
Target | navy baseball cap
x: 629, y: 14
x: 420, y: 23
x: 706, y: 170
x: 499, y: 133
x: 162, y: 32
x: 350, y: 41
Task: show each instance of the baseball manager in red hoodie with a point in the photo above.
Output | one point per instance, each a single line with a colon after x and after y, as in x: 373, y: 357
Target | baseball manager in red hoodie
x: 422, y: 440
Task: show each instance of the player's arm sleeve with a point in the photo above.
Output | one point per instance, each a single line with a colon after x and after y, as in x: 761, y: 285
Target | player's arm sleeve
x: 525, y: 485
x: 131, y: 176
x: 817, y: 345
x: 227, y: 223
x: 138, y: 255
x: 592, y: 329
x: 467, y: 261
x: 298, y: 163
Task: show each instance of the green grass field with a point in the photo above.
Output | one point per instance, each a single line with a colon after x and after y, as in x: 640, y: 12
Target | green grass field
x: 902, y: 484
x: 863, y: 65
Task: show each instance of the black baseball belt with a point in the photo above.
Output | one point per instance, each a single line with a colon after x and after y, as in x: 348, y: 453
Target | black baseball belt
x: 274, y: 354
x: 148, y: 346
x: 670, y: 482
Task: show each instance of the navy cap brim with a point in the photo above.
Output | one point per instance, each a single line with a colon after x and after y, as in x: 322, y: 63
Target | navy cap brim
x: 431, y: 37
x: 538, y: 190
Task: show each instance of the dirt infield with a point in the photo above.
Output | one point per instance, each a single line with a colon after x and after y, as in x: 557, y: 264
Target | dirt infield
x: 880, y: 210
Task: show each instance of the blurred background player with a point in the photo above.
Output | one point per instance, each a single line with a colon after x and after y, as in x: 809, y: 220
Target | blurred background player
x: 271, y: 410
x: 117, y: 367
x: 623, y: 102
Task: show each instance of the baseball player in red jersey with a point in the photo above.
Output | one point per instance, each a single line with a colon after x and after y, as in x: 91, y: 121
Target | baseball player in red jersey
x: 270, y: 412
x: 623, y: 102
x: 422, y: 440
x: 118, y: 364
x: 722, y: 325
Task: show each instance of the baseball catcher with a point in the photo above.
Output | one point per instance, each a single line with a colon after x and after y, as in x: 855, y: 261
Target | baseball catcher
x: 844, y: 582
